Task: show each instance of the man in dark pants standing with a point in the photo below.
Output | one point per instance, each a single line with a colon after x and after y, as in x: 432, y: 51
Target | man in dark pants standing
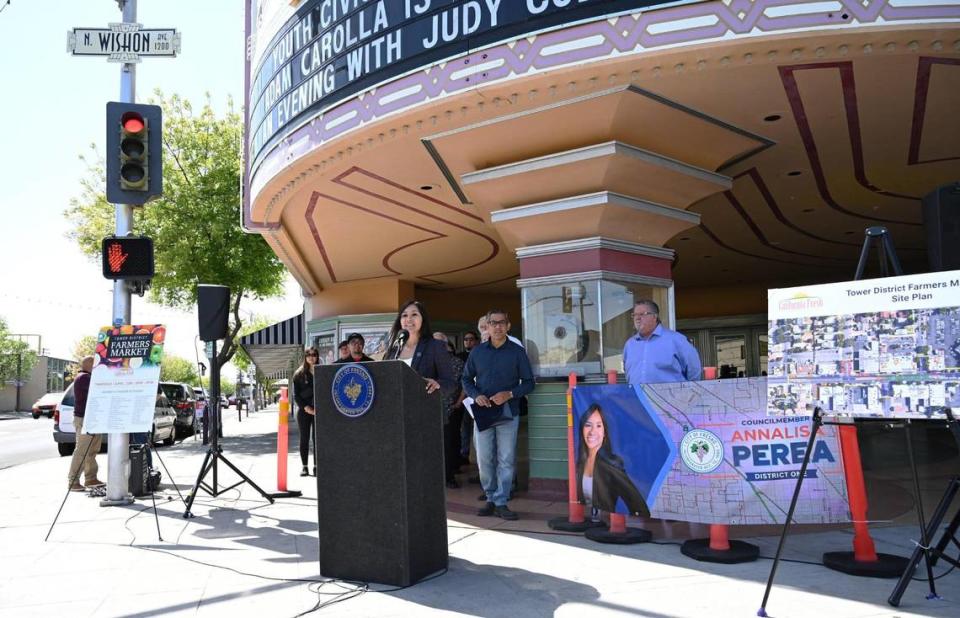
x: 497, y: 375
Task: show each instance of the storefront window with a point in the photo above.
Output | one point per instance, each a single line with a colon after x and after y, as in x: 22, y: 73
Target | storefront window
x: 561, y: 327
x: 582, y: 326
x: 327, y: 346
x: 617, y: 301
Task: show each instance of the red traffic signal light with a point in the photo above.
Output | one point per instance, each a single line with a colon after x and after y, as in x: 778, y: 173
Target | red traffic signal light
x: 127, y: 257
x: 134, y: 153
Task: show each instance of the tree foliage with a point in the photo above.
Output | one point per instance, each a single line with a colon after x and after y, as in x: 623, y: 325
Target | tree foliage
x: 177, y: 369
x: 16, y: 358
x: 84, y: 346
x: 195, y: 225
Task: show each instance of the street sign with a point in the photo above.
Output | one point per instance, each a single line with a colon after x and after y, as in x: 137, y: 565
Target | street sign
x: 123, y: 42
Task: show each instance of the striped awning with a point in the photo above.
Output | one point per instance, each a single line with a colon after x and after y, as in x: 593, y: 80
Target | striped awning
x: 276, y: 348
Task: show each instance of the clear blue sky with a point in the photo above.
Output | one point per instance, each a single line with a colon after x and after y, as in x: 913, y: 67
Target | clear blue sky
x: 51, y: 111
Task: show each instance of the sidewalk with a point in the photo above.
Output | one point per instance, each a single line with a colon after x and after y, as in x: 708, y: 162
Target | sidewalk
x: 241, y: 556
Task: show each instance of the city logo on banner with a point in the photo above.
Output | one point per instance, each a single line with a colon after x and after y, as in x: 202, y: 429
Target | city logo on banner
x: 701, y: 451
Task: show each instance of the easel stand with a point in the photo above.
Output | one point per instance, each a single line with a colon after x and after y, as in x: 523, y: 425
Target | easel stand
x: 928, y: 530
x: 816, y: 423
x: 864, y: 561
x: 215, y: 451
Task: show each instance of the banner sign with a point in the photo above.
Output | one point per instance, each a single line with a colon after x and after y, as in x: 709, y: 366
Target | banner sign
x: 126, y: 373
x: 872, y: 348
x: 331, y: 49
x: 705, y: 452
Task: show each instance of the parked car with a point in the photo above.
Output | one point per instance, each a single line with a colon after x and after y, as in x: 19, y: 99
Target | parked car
x: 47, y: 405
x: 165, y: 417
x: 232, y: 400
x: 183, y: 401
x: 224, y: 402
x: 164, y: 423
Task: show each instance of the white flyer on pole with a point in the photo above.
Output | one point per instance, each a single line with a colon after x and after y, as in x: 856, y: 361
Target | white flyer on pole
x: 123, y: 384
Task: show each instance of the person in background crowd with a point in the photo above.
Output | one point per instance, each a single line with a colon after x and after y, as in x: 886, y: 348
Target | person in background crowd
x: 453, y: 414
x: 657, y: 354
x: 470, y: 340
x: 354, y: 350
x: 343, y: 351
x: 87, y: 446
x: 496, y: 376
x: 303, y: 395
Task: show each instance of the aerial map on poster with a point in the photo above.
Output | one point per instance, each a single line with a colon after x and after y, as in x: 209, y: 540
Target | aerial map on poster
x: 708, y: 452
x: 872, y: 348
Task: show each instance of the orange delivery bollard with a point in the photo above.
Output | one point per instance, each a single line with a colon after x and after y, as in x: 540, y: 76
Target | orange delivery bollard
x: 283, y: 439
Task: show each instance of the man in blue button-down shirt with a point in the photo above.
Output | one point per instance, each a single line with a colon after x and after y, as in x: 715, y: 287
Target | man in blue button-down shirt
x: 497, y: 375
x: 657, y: 354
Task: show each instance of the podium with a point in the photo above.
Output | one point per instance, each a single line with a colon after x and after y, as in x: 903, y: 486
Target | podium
x: 380, y: 479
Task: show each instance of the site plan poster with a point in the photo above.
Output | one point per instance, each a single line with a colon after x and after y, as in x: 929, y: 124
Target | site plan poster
x: 707, y: 452
x: 872, y: 348
x: 123, y: 385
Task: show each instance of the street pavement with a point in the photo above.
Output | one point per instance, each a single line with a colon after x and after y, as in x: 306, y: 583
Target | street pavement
x: 24, y: 439
x: 241, y: 556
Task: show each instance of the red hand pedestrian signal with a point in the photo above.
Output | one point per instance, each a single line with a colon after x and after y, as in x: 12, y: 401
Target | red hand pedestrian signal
x: 127, y: 257
x: 116, y: 257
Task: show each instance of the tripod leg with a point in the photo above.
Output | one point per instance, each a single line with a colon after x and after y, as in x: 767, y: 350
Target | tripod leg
x: 924, y: 537
x: 75, y: 479
x: 156, y: 517
x: 931, y: 530
x: 247, y: 479
x: 817, y: 420
x: 170, y: 476
x: 951, y: 531
x: 196, y: 487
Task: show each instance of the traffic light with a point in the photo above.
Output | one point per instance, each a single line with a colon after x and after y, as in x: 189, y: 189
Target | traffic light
x: 127, y: 257
x: 134, y: 153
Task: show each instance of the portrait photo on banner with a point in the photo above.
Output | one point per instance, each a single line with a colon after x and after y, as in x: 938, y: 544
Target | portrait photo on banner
x: 622, y: 456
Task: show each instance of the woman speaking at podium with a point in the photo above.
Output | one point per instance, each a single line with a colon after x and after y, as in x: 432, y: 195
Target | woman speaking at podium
x: 413, y: 343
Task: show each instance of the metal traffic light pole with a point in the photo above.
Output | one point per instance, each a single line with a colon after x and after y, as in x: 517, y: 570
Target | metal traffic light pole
x: 118, y: 444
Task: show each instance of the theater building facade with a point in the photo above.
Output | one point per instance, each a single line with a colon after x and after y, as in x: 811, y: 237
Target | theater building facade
x: 561, y: 158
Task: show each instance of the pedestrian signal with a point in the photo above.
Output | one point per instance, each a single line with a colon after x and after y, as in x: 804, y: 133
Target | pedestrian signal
x: 127, y: 257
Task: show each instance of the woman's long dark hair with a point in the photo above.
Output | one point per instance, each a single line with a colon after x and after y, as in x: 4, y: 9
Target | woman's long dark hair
x: 303, y: 368
x: 426, y: 331
x: 605, y: 451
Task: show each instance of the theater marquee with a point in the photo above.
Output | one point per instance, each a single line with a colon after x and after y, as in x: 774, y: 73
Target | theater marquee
x: 332, y: 49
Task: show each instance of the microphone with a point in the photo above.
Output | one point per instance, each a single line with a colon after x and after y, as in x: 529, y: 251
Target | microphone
x: 398, y: 342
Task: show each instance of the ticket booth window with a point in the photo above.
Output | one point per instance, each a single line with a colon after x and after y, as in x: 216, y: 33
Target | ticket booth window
x: 581, y: 326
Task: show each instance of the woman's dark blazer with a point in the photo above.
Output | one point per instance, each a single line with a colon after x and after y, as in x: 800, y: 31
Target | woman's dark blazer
x: 303, y: 389
x: 610, y: 481
x: 431, y: 360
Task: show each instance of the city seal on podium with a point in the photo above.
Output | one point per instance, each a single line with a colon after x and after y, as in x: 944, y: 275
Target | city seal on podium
x: 353, y: 390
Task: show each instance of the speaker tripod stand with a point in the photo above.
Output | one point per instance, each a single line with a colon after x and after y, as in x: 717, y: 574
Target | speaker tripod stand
x: 215, y: 451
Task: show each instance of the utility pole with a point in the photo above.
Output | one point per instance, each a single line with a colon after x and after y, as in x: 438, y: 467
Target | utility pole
x: 118, y: 444
x: 135, y: 183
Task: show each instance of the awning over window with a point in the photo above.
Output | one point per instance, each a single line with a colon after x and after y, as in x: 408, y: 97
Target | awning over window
x: 276, y: 348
